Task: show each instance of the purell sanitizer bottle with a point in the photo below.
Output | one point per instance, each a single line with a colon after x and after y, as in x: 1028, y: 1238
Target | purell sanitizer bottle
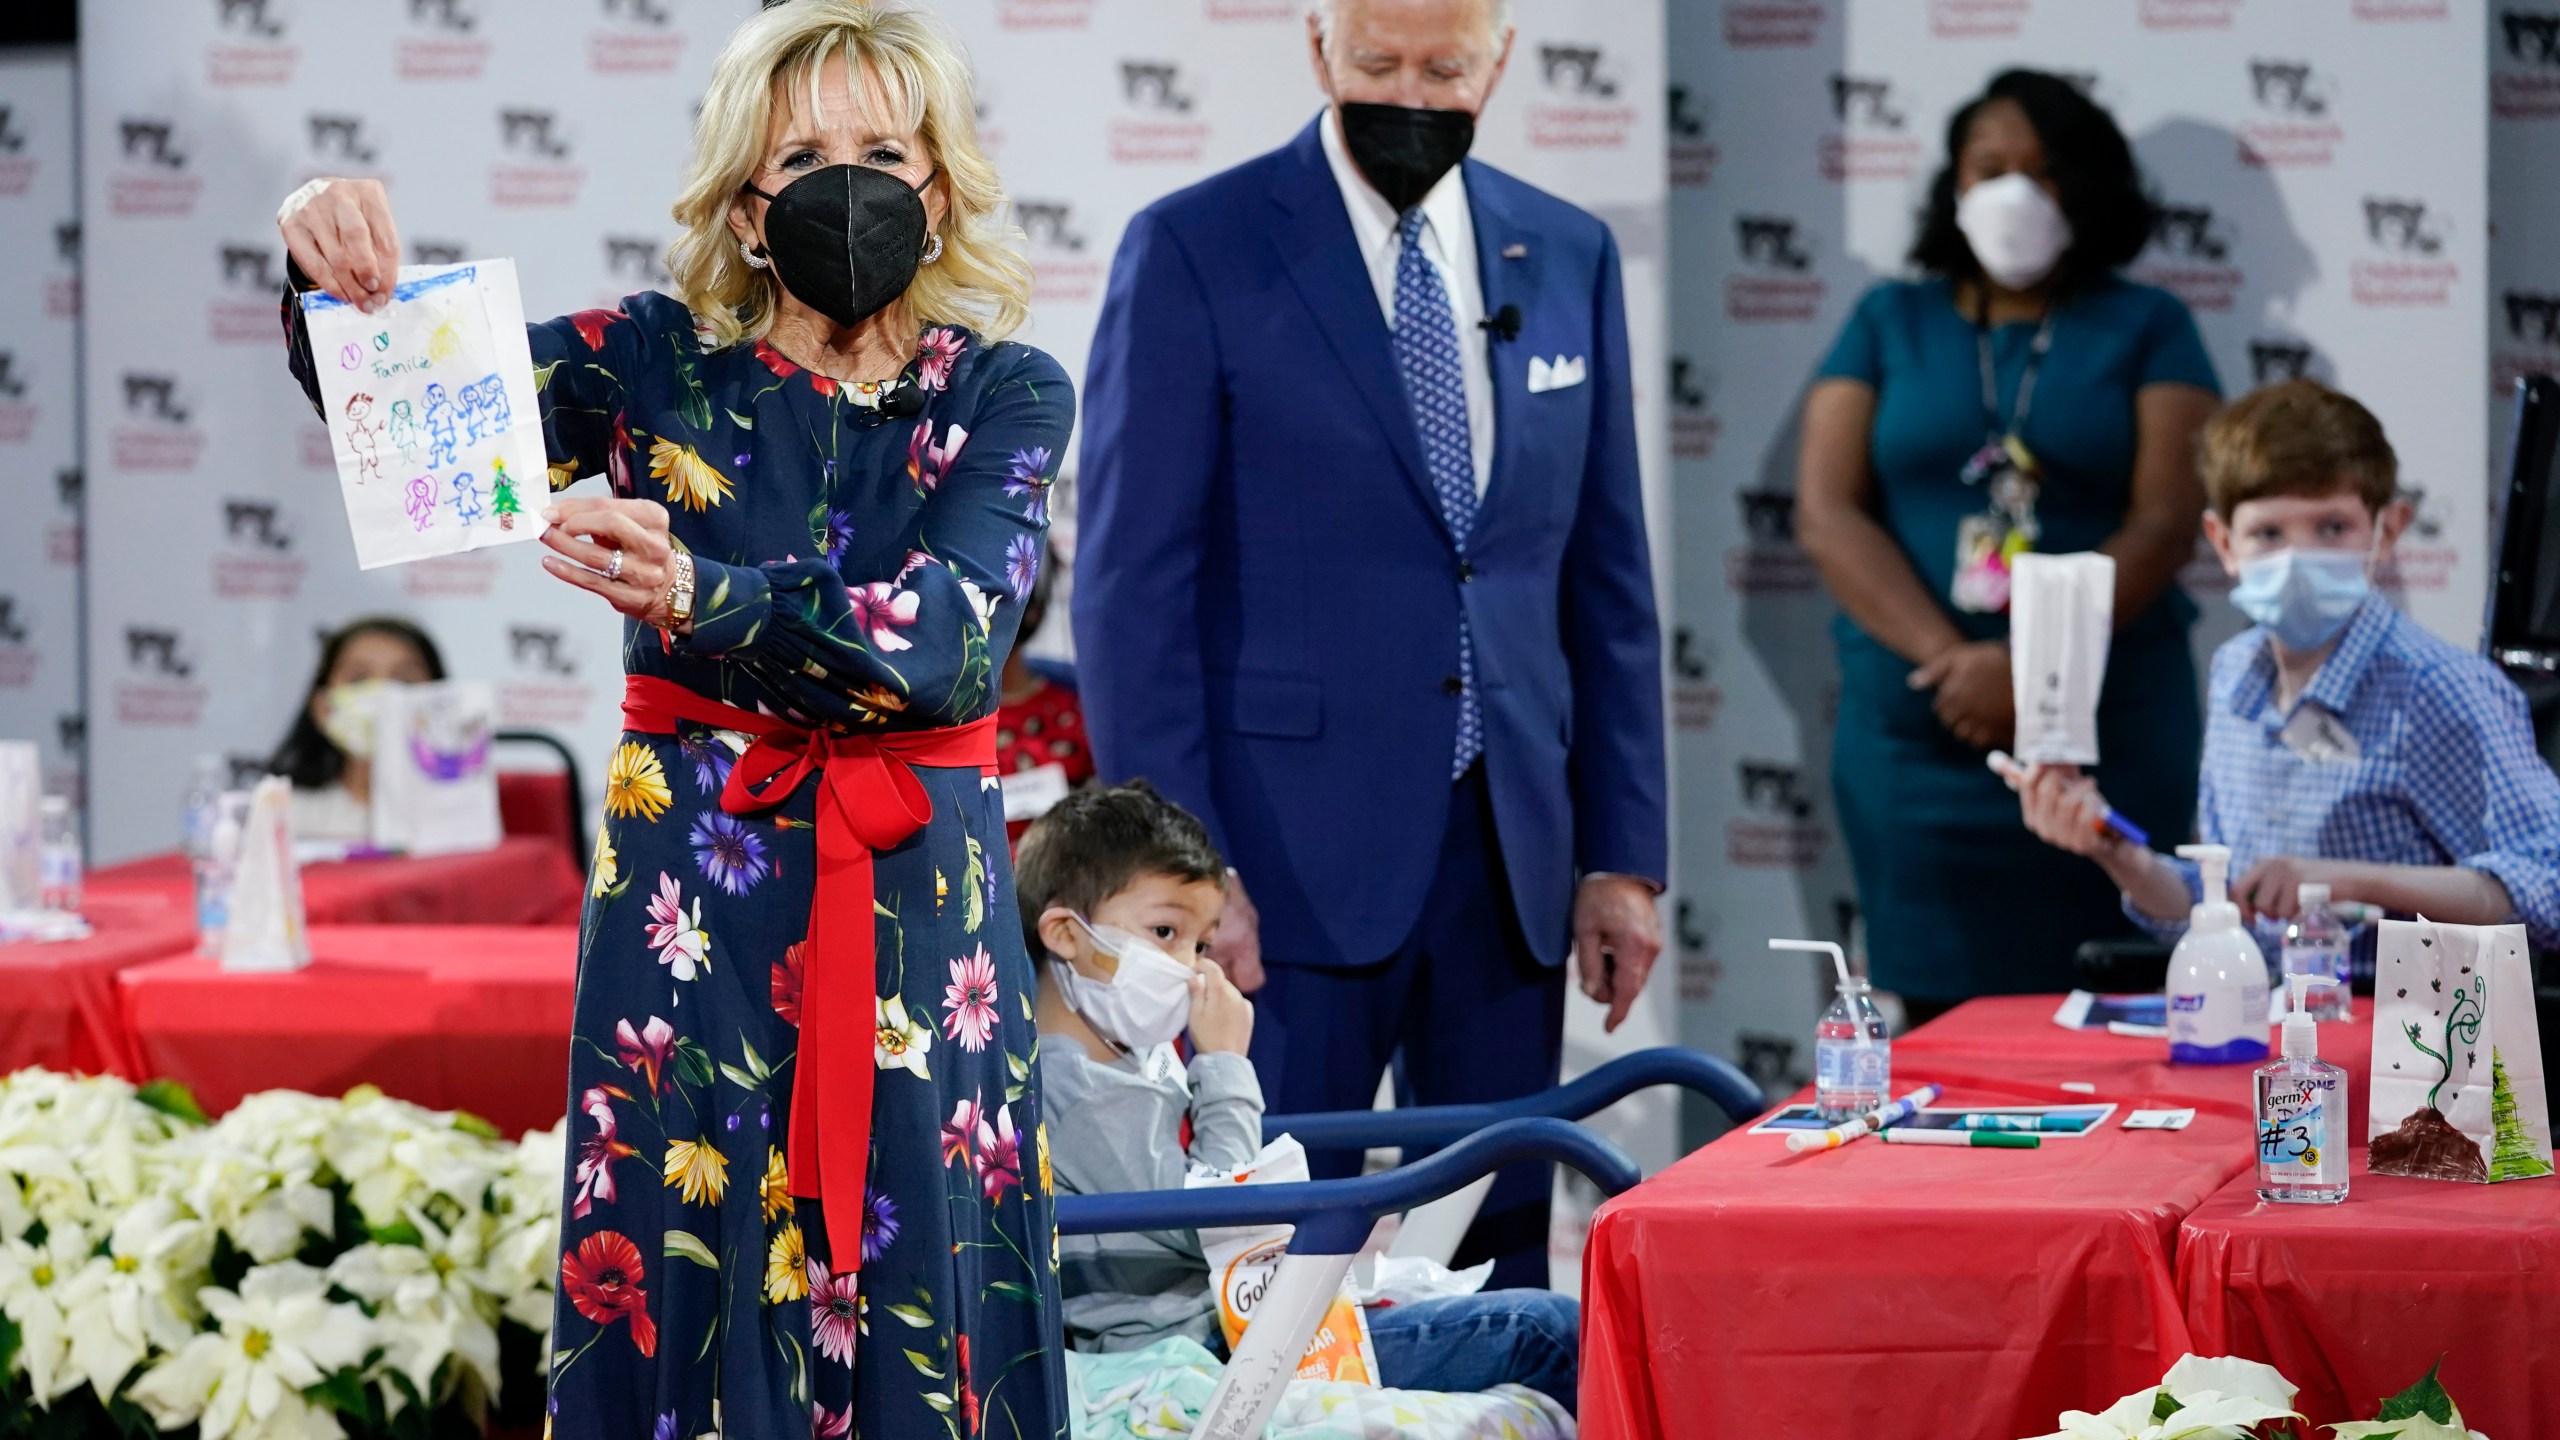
x: 2302, y: 1114
x: 2217, y: 977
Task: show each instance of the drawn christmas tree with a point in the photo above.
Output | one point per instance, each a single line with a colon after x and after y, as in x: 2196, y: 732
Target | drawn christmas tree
x: 2514, y: 1157
x: 503, y: 502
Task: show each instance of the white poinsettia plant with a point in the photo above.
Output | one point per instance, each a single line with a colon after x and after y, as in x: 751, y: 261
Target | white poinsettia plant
x: 2226, y: 1398
x: 303, y: 1267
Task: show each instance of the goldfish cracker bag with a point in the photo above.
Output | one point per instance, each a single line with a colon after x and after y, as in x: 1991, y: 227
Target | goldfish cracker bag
x: 1243, y: 1260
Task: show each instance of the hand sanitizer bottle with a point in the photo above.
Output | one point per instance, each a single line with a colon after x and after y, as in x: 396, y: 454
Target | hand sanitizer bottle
x: 2217, y: 976
x: 2302, y: 1114
x: 2315, y: 944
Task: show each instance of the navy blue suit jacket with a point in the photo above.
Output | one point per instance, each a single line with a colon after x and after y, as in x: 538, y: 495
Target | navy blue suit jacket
x: 1267, y: 598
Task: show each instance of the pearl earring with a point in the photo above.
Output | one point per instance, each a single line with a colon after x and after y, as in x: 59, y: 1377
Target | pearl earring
x: 932, y: 249
x: 748, y: 253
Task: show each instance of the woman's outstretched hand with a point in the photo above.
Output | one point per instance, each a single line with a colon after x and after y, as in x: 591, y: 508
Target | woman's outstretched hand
x: 340, y: 232
x: 617, y: 548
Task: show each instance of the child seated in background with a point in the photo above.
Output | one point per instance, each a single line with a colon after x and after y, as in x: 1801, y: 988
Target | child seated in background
x: 2344, y: 744
x: 1119, y: 890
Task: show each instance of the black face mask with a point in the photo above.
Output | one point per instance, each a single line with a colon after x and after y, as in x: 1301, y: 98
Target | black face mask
x: 1404, y: 150
x: 846, y: 239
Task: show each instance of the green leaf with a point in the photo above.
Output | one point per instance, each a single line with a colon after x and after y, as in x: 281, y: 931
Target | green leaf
x: 1013, y: 1093
x: 720, y: 592
x: 755, y: 1062
x: 470, y: 1124
x: 882, y: 910
x: 1017, y: 1066
x: 1012, y: 1290
x: 743, y: 422
x: 738, y: 1077
x: 2164, y: 1405
x: 9, y: 1337
x: 398, y: 1232
x: 2427, y: 1398
x: 937, y: 1400
x: 686, y: 1245
x: 913, y: 1316
x: 342, y: 1391
x: 542, y: 376
x: 924, y: 1367
x: 692, y: 1061
x: 172, y: 1099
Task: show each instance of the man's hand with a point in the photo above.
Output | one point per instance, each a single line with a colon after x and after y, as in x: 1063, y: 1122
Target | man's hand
x: 1973, y: 696
x: 1617, y: 934
x: 1236, y: 945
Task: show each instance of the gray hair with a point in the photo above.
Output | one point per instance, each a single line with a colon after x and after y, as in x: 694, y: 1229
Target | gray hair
x: 1497, y: 17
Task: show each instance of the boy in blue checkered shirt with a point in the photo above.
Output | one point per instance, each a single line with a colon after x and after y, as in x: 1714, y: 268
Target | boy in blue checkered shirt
x: 2344, y: 744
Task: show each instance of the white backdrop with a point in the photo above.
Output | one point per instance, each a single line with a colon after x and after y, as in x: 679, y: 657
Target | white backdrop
x: 39, y: 414
x: 2324, y: 165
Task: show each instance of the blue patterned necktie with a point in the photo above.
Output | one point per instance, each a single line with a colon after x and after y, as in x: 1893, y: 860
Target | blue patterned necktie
x: 1426, y: 342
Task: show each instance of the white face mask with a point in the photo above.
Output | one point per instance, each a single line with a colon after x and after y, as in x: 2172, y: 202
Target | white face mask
x: 2017, y: 233
x: 349, y: 721
x: 1145, y: 1003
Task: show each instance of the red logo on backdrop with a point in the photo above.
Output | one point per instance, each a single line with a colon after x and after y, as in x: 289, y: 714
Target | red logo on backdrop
x: 17, y: 417
x: 2529, y: 38
x: 1044, y: 14
x: 1977, y: 19
x: 537, y: 171
x: 1778, y: 285
x: 159, y: 687
x: 2190, y: 257
x: 468, y: 576
x: 156, y: 431
x: 1777, y: 830
x: 62, y: 537
x: 252, y: 48
x: 258, y: 563
x: 2189, y: 14
x: 150, y: 175
x: 643, y: 45
x: 2411, y: 239
x: 1774, y: 25
x: 1693, y: 155
x: 2424, y: 561
x: 545, y: 689
x: 1586, y: 111
x: 2532, y: 339
x: 1162, y: 132
x: 62, y: 289
x: 1769, y: 561
x: 1063, y: 268
x: 1247, y: 12
x: 2301, y: 133
x: 1871, y: 143
x: 1695, y: 698
x: 1694, y: 425
x: 243, y: 308
x: 2389, y: 12
x: 17, y: 167
x: 449, y: 47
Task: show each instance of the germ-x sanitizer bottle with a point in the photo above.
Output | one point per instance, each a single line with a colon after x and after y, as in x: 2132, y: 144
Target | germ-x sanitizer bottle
x: 2302, y: 1114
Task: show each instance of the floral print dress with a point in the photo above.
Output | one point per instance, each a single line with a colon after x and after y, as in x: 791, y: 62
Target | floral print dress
x: 859, y: 572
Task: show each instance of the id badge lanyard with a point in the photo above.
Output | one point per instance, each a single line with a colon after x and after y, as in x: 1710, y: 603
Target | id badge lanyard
x: 2007, y: 473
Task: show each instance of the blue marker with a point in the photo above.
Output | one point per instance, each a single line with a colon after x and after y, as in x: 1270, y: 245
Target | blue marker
x: 2010, y: 770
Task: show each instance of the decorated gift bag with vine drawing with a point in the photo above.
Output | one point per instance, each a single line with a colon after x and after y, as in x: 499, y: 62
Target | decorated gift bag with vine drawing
x: 2457, y: 1063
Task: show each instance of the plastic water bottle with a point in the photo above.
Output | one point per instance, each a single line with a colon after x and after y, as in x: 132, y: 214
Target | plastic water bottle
x: 1852, y: 1055
x: 2315, y: 944
x: 201, y: 817
x: 60, y: 856
x: 217, y: 870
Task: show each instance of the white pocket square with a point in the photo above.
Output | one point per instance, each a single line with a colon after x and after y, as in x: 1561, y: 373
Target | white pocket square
x: 1557, y: 374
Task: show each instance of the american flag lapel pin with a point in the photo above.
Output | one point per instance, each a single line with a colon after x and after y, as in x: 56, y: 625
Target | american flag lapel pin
x: 1515, y: 251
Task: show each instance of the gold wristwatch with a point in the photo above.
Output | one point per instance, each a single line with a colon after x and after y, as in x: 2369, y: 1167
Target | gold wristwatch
x: 680, y: 592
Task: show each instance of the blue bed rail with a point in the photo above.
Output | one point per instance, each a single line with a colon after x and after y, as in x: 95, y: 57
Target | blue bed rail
x: 1596, y: 1090
x: 1334, y: 1217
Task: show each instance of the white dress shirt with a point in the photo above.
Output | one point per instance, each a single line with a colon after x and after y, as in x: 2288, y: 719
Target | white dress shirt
x: 1448, y: 241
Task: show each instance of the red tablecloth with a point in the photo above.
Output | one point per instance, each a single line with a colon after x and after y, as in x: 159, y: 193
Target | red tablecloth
x: 2354, y: 1301
x: 457, y: 1017
x: 58, y: 1005
x: 525, y: 880
x: 1885, y: 1291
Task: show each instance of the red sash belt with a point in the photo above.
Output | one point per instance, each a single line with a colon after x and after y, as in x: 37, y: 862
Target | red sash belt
x: 869, y: 799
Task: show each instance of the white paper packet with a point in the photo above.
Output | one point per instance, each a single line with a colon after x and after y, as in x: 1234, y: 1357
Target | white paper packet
x: 2061, y: 614
x: 266, y: 930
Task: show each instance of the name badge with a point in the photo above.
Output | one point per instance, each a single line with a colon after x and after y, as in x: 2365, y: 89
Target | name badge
x: 1163, y: 1066
x: 1030, y: 794
x: 2320, y: 737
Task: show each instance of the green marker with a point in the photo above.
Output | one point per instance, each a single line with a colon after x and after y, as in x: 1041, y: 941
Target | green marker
x: 1979, y: 1139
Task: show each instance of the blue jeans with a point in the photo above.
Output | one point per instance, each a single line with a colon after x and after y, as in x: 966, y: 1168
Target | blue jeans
x: 1471, y: 1343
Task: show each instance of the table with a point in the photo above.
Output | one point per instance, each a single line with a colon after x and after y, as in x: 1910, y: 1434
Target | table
x: 58, y: 1004
x: 2354, y: 1301
x: 1884, y: 1290
x: 523, y: 880
x: 467, y: 1017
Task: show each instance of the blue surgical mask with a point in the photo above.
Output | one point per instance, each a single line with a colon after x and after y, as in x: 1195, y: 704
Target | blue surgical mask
x: 2303, y: 597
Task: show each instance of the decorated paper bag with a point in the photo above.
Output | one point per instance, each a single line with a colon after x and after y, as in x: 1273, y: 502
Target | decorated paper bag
x: 2457, y: 1063
x: 21, y: 826
x: 434, y: 790
x: 2061, y: 613
x: 431, y: 412
x: 266, y: 930
x: 1242, y: 1260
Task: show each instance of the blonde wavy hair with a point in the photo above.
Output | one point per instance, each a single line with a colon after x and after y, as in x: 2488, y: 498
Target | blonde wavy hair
x: 980, y: 281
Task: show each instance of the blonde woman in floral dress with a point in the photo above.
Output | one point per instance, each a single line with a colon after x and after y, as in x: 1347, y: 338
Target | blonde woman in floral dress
x: 831, y: 485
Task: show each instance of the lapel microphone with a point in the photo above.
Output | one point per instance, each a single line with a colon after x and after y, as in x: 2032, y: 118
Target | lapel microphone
x: 1502, y: 324
x: 901, y: 400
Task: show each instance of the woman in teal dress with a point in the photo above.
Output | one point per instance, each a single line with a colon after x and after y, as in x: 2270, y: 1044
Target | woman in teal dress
x: 2020, y: 394
x: 808, y: 1187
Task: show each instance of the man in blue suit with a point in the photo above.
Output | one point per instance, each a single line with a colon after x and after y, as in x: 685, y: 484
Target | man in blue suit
x: 1362, y: 582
